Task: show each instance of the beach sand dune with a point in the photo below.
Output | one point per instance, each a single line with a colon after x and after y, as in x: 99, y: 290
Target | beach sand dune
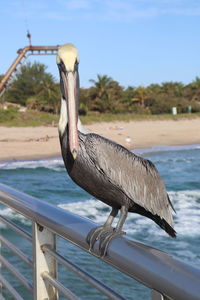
x: 21, y: 143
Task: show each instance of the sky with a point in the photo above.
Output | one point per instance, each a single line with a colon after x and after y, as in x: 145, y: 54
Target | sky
x: 136, y: 42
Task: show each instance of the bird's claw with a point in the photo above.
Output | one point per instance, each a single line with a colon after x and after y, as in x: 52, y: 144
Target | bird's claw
x: 98, y: 234
x: 104, y: 235
x: 93, y: 236
x: 105, y: 241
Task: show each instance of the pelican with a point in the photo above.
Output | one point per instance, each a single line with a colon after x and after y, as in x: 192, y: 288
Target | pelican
x: 105, y: 169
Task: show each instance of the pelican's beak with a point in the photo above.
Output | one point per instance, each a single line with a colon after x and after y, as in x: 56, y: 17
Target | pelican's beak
x: 69, y: 86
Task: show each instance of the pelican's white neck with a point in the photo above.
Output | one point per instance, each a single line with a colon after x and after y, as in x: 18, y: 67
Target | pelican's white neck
x: 63, y: 119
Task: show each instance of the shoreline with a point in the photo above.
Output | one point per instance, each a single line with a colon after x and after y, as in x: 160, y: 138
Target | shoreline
x: 33, y: 143
x: 139, y: 151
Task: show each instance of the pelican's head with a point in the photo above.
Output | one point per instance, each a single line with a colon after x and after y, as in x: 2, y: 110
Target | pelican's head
x: 67, y: 61
x: 67, y: 57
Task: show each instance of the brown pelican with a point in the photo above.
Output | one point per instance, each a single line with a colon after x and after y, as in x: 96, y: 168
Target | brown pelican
x: 106, y: 170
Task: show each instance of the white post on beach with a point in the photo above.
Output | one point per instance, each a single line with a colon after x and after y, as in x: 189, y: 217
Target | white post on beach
x: 174, y: 110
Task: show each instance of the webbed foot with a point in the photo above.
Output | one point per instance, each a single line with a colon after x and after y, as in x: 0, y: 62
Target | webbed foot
x: 97, y: 234
x: 105, y: 234
x: 106, y: 239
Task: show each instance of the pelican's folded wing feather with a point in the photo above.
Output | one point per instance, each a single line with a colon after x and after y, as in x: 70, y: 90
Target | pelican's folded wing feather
x: 135, y: 176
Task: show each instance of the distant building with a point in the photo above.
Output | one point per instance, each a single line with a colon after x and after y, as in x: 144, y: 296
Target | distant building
x: 6, y: 105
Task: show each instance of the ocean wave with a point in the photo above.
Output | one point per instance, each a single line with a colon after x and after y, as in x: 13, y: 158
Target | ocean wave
x: 14, y: 216
x: 55, y: 164
x: 157, y: 149
x: 187, y: 205
x: 187, y: 219
x: 175, y: 160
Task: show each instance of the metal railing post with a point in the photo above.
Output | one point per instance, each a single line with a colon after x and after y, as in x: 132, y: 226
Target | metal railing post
x: 158, y: 270
x: 43, y: 263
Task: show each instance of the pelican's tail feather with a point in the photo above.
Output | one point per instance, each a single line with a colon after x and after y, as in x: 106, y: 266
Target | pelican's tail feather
x: 157, y: 219
x: 164, y: 225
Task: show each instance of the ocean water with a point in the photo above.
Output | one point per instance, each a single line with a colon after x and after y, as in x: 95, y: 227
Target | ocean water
x: 48, y: 180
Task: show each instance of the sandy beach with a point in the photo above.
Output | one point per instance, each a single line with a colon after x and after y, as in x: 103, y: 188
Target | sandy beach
x: 24, y: 143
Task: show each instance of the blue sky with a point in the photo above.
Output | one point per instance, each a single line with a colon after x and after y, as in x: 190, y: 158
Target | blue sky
x: 136, y: 42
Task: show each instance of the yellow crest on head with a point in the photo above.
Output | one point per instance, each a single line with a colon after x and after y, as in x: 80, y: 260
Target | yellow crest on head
x: 68, y: 54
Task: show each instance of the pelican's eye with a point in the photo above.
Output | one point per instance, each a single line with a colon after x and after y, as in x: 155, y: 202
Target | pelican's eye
x: 62, y: 67
x: 76, y: 65
x: 62, y: 87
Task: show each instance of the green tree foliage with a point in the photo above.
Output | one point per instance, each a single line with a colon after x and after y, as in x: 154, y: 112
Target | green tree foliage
x: 140, y: 95
x: 106, y: 95
x: 37, y: 89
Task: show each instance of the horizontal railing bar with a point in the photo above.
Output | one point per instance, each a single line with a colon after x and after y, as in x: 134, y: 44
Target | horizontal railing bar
x: 16, y: 228
x: 84, y: 275
x: 16, y: 273
x: 45, y: 53
x: 15, y: 250
x: 65, y: 291
x: 154, y: 268
x: 9, y: 287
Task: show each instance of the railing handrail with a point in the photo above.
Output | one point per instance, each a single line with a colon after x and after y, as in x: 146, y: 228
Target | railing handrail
x: 154, y: 268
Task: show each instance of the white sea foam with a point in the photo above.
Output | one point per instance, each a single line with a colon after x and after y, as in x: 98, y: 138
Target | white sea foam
x: 156, y: 149
x: 167, y: 160
x: 187, y: 219
x: 92, y: 209
x: 187, y: 204
x: 54, y: 164
x: 14, y: 216
x: 57, y: 163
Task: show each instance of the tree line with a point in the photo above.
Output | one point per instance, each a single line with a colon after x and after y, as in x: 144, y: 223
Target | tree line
x: 37, y: 89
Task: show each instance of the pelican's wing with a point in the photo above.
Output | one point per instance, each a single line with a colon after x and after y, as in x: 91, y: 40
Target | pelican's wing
x: 136, y: 177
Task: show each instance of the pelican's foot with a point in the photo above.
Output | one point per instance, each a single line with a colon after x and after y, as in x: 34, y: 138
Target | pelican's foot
x: 97, y: 234
x: 106, y: 239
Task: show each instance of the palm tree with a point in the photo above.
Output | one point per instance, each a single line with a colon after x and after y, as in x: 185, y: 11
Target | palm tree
x: 100, y: 92
x: 193, y: 90
x: 195, y: 83
x: 106, y: 94
x: 49, y: 94
x: 154, y: 88
x: 140, y: 95
x: 172, y: 89
x: 102, y: 84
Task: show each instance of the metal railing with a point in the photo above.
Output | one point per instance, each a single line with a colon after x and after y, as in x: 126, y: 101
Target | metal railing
x: 168, y: 277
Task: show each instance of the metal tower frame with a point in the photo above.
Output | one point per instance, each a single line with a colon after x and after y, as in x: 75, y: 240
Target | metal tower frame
x: 22, y: 56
